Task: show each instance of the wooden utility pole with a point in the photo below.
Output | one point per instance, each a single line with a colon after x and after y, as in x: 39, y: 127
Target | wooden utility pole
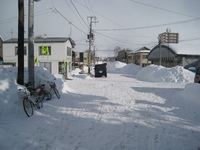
x: 91, y: 39
x: 31, y: 75
x: 20, y: 51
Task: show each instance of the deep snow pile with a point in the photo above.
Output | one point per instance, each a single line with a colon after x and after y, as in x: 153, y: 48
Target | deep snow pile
x: 156, y: 73
x: 123, y: 68
x: 153, y: 73
x: 9, y: 88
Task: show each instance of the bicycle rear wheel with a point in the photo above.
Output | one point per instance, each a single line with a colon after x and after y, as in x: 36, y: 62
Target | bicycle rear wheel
x: 28, y: 107
x: 57, y: 93
x: 39, y: 103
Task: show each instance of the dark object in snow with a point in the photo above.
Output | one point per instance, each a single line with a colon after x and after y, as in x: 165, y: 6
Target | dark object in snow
x: 197, y: 76
x: 100, y: 70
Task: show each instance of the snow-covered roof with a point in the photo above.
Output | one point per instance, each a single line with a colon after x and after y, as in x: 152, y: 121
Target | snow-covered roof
x: 185, y: 49
x: 44, y: 40
x: 141, y: 50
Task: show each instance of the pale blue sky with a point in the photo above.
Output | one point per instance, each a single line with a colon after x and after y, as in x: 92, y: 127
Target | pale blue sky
x: 128, y: 23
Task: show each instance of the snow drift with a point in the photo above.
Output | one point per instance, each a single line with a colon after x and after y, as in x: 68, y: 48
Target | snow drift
x: 9, y: 88
x: 156, y: 73
x: 153, y: 73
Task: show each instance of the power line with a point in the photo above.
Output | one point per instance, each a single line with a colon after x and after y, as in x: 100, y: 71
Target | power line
x: 38, y: 13
x: 153, y: 26
x: 88, y: 9
x: 69, y: 21
x: 72, y: 10
x: 175, y: 12
x: 108, y: 19
x: 193, y: 39
x: 66, y: 18
x: 131, y: 43
x: 79, y: 13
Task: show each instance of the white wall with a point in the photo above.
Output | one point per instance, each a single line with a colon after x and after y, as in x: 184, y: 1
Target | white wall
x: 58, y: 54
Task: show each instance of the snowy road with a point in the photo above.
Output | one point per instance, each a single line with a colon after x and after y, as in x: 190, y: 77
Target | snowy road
x: 114, y: 113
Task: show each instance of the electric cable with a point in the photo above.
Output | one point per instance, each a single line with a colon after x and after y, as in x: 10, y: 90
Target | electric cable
x: 75, y: 14
x: 153, y: 26
x: 175, y: 12
x: 79, y: 14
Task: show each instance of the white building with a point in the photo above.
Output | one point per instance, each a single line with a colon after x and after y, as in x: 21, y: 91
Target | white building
x: 59, y: 48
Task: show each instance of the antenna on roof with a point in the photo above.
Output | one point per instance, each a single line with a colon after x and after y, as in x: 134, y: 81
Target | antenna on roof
x: 11, y: 33
x: 168, y: 30
x: 70, y: 32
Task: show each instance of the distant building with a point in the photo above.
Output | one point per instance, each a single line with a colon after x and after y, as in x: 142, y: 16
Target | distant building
x: 81, y: 58
x: 170, y: 55
x: 58, y: 60
x: 122, y: 55
x: 139, y: 57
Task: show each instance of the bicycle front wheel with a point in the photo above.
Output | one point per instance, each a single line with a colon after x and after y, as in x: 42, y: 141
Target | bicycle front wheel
x: 57, y: 93
x: 28, y: 107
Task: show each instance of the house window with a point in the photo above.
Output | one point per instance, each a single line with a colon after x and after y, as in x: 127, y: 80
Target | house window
x: 45, y: 50
x: 61, y: 68
x: 69, y: 52
x: 144, y: 56
x: 16, y: 51
x: 46, y: 65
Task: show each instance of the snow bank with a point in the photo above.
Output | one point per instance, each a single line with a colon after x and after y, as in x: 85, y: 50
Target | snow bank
x: 123, y: 68
x: 10, y: 101
x: 191, y: 92
x: 154, y: 73
x: 76, y: 71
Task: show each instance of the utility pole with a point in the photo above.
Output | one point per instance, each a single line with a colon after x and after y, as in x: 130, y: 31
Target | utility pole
x: 31, y: 43
x: 31, y: 75
x: 20, y: 51
x: 91, y: 39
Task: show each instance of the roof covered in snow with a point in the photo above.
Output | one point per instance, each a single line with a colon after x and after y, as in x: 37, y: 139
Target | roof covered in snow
x: 44, y: 40
x: 185, y: 49
x: 141, y: 50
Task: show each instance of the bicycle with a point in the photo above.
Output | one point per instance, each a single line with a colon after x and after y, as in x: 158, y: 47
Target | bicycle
x: 53, y: 87
x: 30, y: 99
x: 42, y: 92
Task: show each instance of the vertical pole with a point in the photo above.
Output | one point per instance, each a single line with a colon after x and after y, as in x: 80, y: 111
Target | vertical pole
x: 160, y: 54
x: 90, y: 43
x: 91, y: 38
x: 20, y: 51
x: 31, y: 43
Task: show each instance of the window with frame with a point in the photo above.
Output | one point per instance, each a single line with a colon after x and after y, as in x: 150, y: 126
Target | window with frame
x: 46, y: 65
x: 46, y: 50
x: 144, y: 56
x: 69, y: 52
x: 61, y: 68
x: 16, y: 50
